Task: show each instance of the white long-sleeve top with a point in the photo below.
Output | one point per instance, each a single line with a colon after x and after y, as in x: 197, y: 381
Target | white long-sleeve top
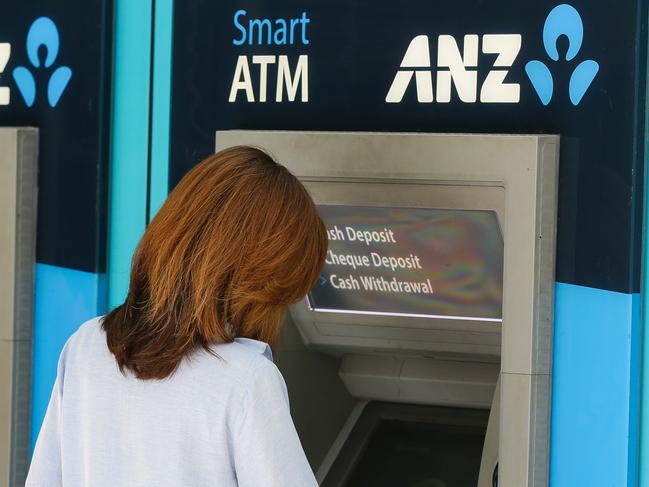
x: 217, y: 421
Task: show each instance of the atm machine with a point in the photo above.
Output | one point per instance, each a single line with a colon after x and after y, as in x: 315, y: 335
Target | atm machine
x: 422, y: 357
x: 18, y: 188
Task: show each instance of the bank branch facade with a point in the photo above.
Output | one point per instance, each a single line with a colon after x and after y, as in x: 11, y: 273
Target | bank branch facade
x: 480, y: 168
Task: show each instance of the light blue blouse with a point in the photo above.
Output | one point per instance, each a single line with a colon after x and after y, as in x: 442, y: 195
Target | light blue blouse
x: 215, y: 422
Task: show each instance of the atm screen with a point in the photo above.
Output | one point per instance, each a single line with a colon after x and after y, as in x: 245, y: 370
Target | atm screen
x: 417, y: 262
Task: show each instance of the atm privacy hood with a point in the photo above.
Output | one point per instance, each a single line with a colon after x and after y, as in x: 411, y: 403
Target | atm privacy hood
x: 470, y: 217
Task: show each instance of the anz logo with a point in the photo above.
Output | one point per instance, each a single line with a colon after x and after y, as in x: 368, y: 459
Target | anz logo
x: 43, y: 33
x: 563, y: 20
x: 460, y: 68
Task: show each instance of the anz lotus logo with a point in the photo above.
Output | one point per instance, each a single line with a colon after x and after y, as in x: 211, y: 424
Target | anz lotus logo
x: 42, y: 35
x: 43, y: 32
x: 563, y: 20
x: 460, y: 69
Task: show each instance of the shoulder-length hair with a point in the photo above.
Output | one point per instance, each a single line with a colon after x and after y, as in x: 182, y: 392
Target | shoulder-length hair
x: 236, y: 241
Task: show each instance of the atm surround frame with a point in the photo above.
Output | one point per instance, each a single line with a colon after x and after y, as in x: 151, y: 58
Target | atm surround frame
x: 526, y: 166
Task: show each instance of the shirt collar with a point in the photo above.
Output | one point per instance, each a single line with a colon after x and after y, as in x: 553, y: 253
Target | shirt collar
x: 260, y: 347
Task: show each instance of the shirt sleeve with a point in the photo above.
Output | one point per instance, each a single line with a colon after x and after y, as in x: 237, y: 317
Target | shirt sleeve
x: 267, y: 450
x: 45, y: 468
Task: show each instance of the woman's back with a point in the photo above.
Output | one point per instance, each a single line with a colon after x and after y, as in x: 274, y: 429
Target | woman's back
x: 176, y: 386
x: 218, y: 420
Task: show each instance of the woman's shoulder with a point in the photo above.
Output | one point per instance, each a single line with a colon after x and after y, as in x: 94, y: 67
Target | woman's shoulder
x: 235, y: 361
x: 248, y: 346
x: 258, y: 375
x: 242, y: 353
x: 84, y: 342
x: 87, y: 330
x: 92, y: 325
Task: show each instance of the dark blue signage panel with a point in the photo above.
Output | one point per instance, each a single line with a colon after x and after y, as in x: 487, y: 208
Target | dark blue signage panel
x: 55, y: 63
x: 503, y: 66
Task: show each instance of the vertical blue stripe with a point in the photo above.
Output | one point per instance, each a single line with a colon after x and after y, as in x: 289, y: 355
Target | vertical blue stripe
x: 635, y: 384
x: 161, y: 103
x: 594, y: 391
x: 130, y: 145
x: 643, y: 461
x: 634, y: 396
x: 65, y: 298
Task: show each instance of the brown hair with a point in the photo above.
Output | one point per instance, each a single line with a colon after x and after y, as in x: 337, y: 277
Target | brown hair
x: 236, y: 241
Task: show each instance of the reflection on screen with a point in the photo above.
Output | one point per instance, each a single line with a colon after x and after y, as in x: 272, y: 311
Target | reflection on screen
x: 411, y: 262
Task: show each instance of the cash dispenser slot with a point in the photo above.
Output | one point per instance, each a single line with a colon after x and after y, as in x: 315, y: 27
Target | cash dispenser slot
x: 411, y: 445
x: 422, y: 355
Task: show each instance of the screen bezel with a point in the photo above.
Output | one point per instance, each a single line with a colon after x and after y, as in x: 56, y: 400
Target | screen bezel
x: 426, y: 194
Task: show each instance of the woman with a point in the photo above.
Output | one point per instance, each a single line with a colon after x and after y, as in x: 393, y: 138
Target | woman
x: 176, y: 387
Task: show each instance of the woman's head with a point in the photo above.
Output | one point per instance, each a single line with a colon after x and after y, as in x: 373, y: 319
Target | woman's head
x: 237, y: 241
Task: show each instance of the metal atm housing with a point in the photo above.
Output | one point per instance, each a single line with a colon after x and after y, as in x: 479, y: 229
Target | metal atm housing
x: 18, y: 194
x: 337, y: 363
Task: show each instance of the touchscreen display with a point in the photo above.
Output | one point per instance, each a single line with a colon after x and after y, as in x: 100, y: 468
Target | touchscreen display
x: 417, y: 262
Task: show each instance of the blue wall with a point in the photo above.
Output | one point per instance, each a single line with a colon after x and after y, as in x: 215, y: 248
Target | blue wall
x: 595, y: 388
x: 65, y: 298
